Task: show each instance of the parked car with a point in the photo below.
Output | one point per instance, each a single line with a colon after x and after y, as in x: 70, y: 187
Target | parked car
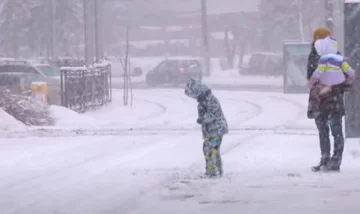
x: 26, y: 73
x: 174, y: 72
x: 263, y: 63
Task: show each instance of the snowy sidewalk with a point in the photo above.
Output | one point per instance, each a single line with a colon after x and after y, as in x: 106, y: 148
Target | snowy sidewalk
x: 264, y: 174
x: 171, y: 111
x: 149, y: 157
x: 134, y: 174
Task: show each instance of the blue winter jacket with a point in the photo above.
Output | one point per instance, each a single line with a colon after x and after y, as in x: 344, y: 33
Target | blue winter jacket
x: 210, y: 114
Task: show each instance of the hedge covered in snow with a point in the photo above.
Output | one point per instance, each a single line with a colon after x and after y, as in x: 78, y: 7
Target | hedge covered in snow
x: 25, y: 109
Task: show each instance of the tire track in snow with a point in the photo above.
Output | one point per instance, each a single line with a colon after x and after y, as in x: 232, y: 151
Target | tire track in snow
x: 286, y: 124
x: 59, y: 174
x: 149, y: 130
x: 173, y: 96
x: 257, y: 109
x: 132, y: 204
x: 159, y: 105
x: 283, y: 128
x: 54, y: 133
x: 301, y: 111
x: 171, y: 179
x: 160, y: 102
x: 115, y: 168
x: 70, y: 165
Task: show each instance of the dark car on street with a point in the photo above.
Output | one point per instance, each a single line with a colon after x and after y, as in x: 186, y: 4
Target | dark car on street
x: 174, y: 72
x: 265, y: 64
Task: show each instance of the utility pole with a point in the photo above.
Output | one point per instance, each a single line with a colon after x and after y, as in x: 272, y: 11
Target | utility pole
x: 329, y: 15
x: 205, y: 37
x: 88, y: 44
x: 339, y: 23
x: 98, y: 10
x: 52, y: 49
x: 301, y: 24
x: 92, y: 30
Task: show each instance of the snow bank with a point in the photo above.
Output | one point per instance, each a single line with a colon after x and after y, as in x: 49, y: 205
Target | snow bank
x: 67, y: 118
x: 9, y: 123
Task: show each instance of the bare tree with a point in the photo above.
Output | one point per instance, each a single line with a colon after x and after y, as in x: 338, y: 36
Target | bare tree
x: 299, y: 4
x: 127, y: 77
x: 230, y: 48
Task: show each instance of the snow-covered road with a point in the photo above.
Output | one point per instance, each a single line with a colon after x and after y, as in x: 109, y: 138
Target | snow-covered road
x: 149, y: 159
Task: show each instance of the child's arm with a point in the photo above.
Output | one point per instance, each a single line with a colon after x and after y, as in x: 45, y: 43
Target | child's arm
x: 349, y: 72
x: 212, y: 109
x: 321, y: 68
x: 201, y: 112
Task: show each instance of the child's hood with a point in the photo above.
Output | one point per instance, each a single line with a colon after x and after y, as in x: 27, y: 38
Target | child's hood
x: 326, y: 46
x: 194, y: 88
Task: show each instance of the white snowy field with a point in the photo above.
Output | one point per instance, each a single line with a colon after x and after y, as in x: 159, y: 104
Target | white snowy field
x: 148, y: 158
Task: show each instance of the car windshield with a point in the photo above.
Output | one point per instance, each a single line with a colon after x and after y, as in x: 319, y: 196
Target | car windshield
x: 190, y: 63
x: 48, y: 70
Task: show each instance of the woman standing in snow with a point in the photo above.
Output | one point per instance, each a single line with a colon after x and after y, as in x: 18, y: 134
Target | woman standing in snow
x: 331, y: 109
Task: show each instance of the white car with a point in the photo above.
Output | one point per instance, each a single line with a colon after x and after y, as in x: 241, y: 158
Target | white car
x: 29, y: 72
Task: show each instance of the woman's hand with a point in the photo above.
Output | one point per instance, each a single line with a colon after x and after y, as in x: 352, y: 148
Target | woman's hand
x: 312, y: 82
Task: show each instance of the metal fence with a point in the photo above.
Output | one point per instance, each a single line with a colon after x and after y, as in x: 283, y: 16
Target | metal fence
x: 84, y: 89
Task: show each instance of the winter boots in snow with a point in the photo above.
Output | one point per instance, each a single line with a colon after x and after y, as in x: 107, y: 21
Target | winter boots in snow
x: 321, y: 166
x: 334, y: 164
x: 327, y: 164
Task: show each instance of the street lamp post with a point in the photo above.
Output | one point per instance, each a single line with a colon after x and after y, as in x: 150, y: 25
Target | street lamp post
x: 329, y: 14
x: 205, y: 37
x: 52, y: 28
x: 93, y: 31
x: 98, y: 9
x: 88, y: 43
